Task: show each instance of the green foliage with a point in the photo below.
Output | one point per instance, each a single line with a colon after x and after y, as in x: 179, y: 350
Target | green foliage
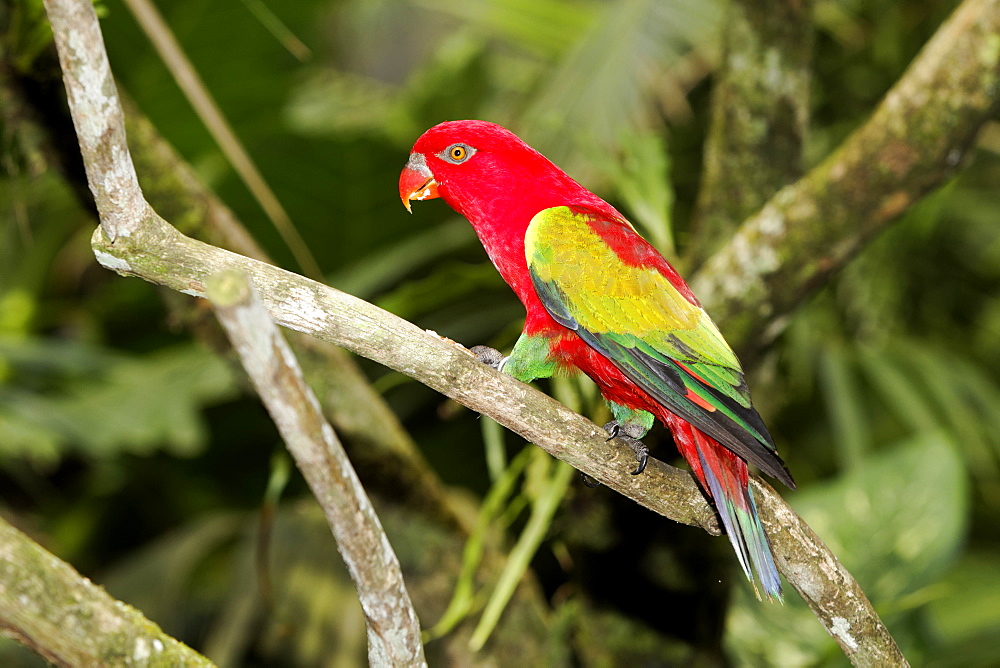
x: 606, y: 85
x: 63, y: 397
x: 641, y: 177
x: 545, y: 483
x: 496, y: 504
x: 961, y: 621
x: 212, y: 566
x: 883, y: 394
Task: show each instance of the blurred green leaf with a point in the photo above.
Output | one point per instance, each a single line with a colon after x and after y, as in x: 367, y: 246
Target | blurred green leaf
x: 130, y: 404
x: 329, y: 101
x: 605, y: 85
x: 208, y: 567
x: 159, y: 578
x: 899, y: 520
x: 494, y: 505
x: 546, y: 27
x: 898, y: 390
x: 376, y: 272
x: 967, y: 400
x: 641, y: 176
x: 844, y: 404
x: 964, y: 621
x: 546, y: 499
x: 450, y: 281
x: 493, y: 444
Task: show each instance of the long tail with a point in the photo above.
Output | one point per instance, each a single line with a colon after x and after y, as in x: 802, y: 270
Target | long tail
x: 724, y: 476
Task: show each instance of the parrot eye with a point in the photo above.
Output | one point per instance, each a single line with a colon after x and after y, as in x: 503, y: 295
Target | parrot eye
x: 457, y: 153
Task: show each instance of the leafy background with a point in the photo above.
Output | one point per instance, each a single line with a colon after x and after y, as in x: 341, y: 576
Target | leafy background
x: 131, y: 447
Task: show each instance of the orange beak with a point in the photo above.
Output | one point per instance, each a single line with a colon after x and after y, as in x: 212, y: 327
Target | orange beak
x: 416, y: 181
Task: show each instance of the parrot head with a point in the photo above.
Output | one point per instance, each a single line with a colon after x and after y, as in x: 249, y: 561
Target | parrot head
x: 470, y: 163
x: 497, y: 182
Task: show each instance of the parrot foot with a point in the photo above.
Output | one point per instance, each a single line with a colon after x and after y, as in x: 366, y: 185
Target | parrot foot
x: 588, y: 481
x: 629, y: 434
x: 489, y: 356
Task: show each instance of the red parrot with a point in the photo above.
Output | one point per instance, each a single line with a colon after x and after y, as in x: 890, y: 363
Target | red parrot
x: 600, y: 299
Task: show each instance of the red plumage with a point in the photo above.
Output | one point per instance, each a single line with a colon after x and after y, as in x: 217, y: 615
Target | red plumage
x: 499, y: 184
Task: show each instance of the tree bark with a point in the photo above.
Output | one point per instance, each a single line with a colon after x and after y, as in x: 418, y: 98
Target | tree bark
x: 392, y: 624
x: 915, y: 140
x: 760, y: 115
x: 46, y: 605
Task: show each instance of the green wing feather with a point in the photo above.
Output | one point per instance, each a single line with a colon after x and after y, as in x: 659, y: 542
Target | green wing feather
x: 636, y: 318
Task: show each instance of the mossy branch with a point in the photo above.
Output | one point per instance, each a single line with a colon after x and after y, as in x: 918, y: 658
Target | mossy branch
x: 759, y: 115
x: 916, y: 139
x: 48, y: 606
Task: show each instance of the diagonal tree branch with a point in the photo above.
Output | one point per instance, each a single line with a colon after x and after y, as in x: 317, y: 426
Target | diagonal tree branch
x: 164, y: 256
x: 46, y: 605
x: 915, y: 140
x: 393, y: 627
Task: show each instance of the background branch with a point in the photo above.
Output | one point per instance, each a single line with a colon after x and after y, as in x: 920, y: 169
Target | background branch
x: 914, y: 141
x: 48, y: 606
x: 760, y: 115
x: 393, y: 627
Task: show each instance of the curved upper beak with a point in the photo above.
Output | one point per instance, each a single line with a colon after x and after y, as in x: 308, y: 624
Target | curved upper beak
x: 416, y: 181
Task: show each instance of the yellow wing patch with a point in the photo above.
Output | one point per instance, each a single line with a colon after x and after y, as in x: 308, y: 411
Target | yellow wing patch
x: 604, y: 294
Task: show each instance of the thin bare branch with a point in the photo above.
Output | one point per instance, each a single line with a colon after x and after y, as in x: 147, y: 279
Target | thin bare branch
x: 393, y: 627
x: 97, y: 117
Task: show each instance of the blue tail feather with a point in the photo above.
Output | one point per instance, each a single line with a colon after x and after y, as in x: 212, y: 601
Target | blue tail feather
x: 744, y: 528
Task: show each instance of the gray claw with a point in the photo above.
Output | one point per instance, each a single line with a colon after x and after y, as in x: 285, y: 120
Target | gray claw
x: 628, y: 433
x: 488, y: 356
